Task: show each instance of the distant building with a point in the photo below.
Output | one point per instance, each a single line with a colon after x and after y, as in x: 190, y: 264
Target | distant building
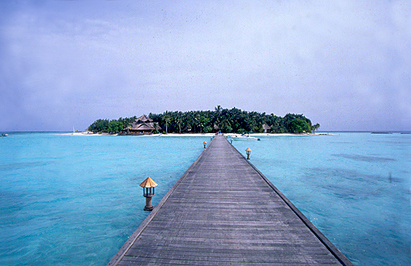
x: 142, y: 125
x: 266, y: 128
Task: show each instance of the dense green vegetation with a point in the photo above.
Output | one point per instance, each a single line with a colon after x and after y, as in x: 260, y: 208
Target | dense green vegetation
x: 227, y: 120
x: 113, y: 126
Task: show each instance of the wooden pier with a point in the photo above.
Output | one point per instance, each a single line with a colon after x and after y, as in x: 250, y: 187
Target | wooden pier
x: 223, y: 211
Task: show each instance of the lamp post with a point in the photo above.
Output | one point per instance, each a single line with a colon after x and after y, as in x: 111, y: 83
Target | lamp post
x: 205, y: 144
x: 148, y: 186
x: 248, y: 152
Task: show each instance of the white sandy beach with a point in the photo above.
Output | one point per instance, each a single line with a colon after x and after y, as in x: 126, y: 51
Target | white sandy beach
x: 195, y: 134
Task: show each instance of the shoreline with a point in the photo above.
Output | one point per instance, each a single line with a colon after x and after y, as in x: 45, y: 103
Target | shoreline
x: 198, y: 134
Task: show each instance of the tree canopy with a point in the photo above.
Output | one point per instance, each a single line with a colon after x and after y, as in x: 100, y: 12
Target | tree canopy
x: 225, y: 120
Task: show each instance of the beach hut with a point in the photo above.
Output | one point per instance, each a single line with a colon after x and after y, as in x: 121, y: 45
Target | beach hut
x: 266, y: 128
x: 142, y: 125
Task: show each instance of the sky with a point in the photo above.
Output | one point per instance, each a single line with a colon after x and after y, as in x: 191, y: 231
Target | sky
x: 343, y: 64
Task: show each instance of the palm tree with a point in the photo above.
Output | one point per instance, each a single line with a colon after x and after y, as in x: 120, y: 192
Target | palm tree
x: 167, y: 119
x: 179, y: 119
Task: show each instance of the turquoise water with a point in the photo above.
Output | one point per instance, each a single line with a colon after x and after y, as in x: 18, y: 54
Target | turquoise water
x: 74, y: 200
x: 355, y: 187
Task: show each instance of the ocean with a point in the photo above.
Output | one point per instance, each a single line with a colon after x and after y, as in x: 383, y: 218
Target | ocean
x: 74, y: 200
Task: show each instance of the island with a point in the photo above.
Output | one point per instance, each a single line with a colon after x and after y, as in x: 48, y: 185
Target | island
x: 222, y: 120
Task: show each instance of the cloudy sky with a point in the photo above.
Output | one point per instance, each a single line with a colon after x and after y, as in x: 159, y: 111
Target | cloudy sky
x: 344, y: 64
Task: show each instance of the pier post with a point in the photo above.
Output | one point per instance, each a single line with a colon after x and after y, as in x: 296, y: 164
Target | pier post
x: 149, y: 204
x: 148, y: 186
x: 248, y: 152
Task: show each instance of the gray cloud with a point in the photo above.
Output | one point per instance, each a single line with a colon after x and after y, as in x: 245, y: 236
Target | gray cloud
x: 345, y: 65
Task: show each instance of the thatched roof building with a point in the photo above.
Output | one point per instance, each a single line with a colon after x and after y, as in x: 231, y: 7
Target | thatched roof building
x: 142, y: 125
x: 266, y: 128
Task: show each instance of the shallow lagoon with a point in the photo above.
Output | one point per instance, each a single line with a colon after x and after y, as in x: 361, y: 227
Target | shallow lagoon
x: 74, y: 200
x: 355, y: 187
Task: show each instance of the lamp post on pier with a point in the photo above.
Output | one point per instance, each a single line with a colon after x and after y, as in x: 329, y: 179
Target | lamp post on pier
x: 148, y: 186
x: 248, y: 152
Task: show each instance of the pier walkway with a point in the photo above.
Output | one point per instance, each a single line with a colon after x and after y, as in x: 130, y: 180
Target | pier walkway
x: 223, y: 211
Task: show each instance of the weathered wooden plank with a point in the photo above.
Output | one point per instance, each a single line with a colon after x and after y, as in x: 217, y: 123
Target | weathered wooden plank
x: 224, y: 211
